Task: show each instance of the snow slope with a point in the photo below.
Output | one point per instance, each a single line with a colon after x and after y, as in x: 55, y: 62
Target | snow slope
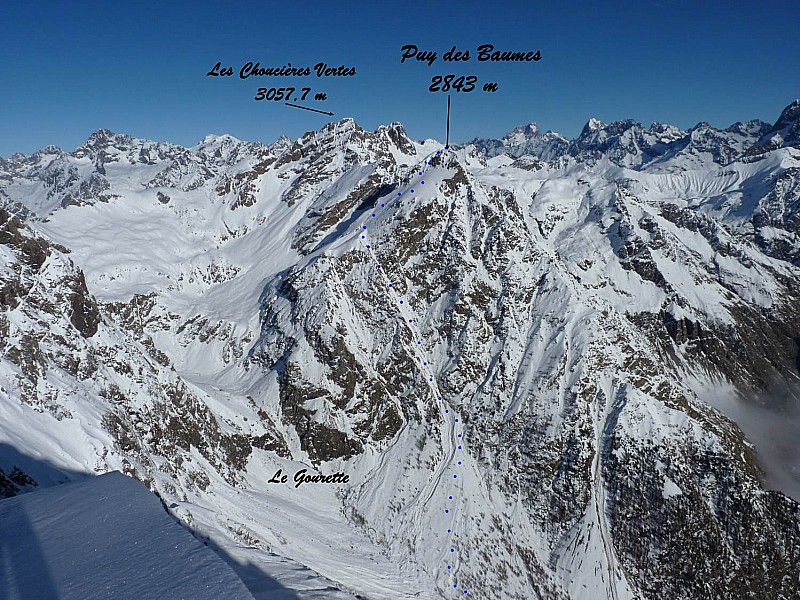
x: 105, y: 537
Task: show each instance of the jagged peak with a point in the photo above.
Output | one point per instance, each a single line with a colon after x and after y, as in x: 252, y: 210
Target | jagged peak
x: 395, y: 126
x: 102, y: 133
x: 789, y: 115
x: 102, y: 139
x: 218, y: 143
x: 104, y: 136
x: 51, y: 149
x: 397, y: 134
x: 748, y: 126
x: 282, y: 142
x: 529, y: 130
x: 346, y: 124
x: 658, y: 127
x: 592, y: 125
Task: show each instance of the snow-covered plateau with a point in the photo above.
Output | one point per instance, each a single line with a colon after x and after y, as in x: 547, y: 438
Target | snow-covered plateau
x: 527, y: 368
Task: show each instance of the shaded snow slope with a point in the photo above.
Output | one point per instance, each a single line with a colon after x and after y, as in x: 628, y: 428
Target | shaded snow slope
x: 105, y: 537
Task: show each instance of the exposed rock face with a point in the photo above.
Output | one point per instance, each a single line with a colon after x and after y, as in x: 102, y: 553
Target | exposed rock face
x: 355, y: 301
x: 15, y: 481
x: 54, y: 330
x: 785, y: 132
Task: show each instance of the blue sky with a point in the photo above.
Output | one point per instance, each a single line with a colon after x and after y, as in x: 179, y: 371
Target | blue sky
x: 139, y: 67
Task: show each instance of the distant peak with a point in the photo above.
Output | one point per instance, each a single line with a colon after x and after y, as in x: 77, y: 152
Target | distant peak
x: 790, y: 114
x: 701, y: 125
x: 349, y: 123
x: 51, y: 149
x: 213, y: 139
x: 529, y: 130
x: 755, y: 126
x: 344, y: 125
x: 100, y: 136
x: 592, y: 125
x: 397, y: 133
x: 657, y: 126
x: 394, y: 126
x: 102, y: 139
x: 395, y: 129
x: 102, y: 133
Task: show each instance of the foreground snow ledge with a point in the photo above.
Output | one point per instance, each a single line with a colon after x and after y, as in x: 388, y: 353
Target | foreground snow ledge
x: 105, y: 537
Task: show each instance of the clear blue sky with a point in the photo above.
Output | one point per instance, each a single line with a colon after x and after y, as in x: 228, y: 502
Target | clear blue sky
x: 69, y: 68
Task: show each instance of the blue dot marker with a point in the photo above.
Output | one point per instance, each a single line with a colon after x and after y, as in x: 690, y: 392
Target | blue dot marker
x: 419, y: 343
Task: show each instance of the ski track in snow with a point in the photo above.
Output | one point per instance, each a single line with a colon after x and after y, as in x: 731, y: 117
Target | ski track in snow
x: 451, y: 436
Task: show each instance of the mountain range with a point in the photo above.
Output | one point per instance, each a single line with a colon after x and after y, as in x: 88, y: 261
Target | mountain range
x: 538, y: 361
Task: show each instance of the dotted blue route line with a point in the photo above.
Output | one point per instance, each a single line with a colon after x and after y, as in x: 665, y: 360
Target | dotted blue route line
x: 404, y: 307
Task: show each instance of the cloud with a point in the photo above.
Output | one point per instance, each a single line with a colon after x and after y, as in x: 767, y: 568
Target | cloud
x: 771, y: 421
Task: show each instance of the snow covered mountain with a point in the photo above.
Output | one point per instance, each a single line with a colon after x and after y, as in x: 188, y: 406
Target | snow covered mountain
x: 525, y: 140
x: 520, y: 353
